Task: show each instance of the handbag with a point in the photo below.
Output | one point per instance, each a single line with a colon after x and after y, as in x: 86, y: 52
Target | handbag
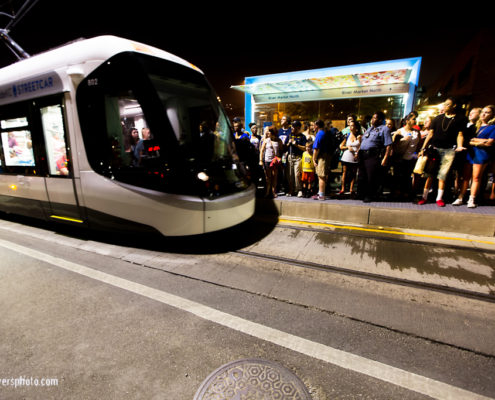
x: 276, y: 161
x: 419, y: 168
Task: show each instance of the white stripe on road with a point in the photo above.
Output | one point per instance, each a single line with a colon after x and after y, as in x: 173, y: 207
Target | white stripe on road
x: 384, y: 372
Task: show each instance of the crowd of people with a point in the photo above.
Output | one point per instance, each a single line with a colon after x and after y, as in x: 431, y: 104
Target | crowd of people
x: 449, y: 158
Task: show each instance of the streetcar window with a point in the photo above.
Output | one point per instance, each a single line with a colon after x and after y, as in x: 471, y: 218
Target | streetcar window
x: 192, y: 115
x: 14, y: 123
x: 54, y: 132
x: 126, y: 129
x: 17, y: 143
x: 9, y: 124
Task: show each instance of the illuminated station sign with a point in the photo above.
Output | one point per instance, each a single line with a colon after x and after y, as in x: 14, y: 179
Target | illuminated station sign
x: 387, y: 78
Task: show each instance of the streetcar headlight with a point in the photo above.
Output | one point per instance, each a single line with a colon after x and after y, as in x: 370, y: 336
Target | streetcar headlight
x: 203, y: 177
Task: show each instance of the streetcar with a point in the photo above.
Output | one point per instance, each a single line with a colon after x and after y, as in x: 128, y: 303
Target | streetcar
x: 114, y: 134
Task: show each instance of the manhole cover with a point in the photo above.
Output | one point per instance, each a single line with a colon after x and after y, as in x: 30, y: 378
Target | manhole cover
x: 252, y: 379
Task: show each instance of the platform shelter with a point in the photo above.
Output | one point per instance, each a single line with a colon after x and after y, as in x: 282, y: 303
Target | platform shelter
x: 331, y: 93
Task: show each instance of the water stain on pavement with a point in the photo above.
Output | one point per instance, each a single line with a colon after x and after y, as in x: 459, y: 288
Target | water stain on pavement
x: 467, y: 265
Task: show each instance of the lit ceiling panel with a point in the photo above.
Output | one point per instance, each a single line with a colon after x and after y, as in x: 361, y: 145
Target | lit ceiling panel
x: 332, y: 82
x: 383, y: 77
x: 257, y: 88
x: 328, y: 82
x: 295, y: 86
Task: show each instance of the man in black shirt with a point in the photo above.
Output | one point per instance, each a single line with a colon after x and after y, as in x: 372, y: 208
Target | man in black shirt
x: 296, y: 145
x: 446, y: 136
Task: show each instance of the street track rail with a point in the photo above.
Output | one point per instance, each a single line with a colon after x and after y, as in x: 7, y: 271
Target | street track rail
x: 374, y: 277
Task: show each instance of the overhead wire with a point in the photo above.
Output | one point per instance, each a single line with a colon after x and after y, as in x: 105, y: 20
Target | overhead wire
x: 20, y: 14
x: 14, y: 19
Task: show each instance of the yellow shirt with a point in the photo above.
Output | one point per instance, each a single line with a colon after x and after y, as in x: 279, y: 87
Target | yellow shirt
x: 307, y: 163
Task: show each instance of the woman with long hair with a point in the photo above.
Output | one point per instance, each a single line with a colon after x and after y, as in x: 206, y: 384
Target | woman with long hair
x: 478, y: 157
x: 270, y: 154
x: 405, y: 145
x: 349, y: 158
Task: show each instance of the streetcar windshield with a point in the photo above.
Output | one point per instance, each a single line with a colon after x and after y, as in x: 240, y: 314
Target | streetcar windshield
x: 157, y: 124
x: 198, y: 123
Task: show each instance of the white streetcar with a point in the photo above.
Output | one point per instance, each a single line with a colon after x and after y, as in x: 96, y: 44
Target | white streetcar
x: 114, y: 134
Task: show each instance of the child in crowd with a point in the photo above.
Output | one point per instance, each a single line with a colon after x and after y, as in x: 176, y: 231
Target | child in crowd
x: 308, y: 170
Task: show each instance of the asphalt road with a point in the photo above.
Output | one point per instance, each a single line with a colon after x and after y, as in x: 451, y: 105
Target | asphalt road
x: 146, y: 318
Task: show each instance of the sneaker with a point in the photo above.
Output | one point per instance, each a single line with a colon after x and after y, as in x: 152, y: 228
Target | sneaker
x: 458, y: 202
x: 440, y: 203
x: 318, y: 197
x: 421, y: 202
x: 471, y: 204
x: 300, y: 194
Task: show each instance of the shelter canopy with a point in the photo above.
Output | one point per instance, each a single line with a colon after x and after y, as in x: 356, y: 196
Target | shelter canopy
x: 398, y: 73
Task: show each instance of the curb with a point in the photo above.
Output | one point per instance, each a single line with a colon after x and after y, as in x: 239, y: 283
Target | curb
x: 388, y: 216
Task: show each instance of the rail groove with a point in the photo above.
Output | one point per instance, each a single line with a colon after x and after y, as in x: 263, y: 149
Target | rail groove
x: 375, y: 277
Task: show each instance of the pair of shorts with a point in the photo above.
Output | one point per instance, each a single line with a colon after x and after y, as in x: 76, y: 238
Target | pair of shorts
x: 446, y: 159
x: 307, y: 177
x: 323, y: 166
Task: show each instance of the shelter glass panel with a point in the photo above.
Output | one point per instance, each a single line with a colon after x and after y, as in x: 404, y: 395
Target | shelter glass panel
x: 334, y: 110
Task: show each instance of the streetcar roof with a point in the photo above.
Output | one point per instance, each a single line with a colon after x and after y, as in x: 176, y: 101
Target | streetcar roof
x: 85, y: 52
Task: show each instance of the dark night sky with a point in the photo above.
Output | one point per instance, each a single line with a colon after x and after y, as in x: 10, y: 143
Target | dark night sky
x: 228, y: 48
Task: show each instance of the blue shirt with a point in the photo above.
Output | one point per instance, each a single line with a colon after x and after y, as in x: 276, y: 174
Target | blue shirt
x: 320, y: 135
x: 244, y: 135
x: 283, y: 134
x: 481, y: 155
x: 376, y: 138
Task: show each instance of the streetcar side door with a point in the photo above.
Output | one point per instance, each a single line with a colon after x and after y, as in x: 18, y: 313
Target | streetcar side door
x: 59, y: 180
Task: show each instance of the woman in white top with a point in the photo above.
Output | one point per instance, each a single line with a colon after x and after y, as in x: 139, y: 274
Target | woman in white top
x: 270, y: 153
x: 426, y: 127
x: 405, y: 146
x: 349, y: 160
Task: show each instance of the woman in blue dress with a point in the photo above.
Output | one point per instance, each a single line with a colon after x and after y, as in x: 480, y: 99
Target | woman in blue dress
x: 478, y: 157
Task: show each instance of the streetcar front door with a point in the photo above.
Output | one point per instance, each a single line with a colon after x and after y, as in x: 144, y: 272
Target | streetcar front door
x: 60, y: 189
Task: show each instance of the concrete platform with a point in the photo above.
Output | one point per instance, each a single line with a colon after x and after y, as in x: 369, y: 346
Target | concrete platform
x: 402, y: 215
